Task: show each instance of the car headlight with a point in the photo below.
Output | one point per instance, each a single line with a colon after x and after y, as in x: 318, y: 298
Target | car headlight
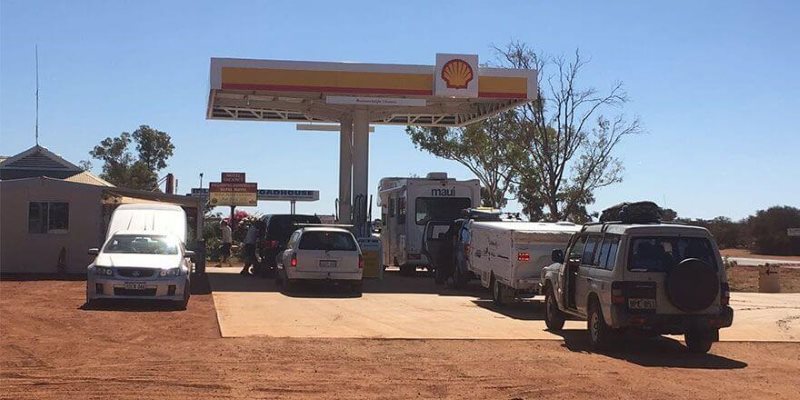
x: 170, y: 272
x: 105, y: 271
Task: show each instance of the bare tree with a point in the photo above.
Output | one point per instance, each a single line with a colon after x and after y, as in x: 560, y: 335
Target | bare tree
x: 566, y: 142
x: 481, y: 147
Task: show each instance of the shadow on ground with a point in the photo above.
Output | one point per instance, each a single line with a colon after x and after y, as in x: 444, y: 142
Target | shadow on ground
x: 393, y: 282
x: 42, y: 277
x: 657, y: 351
x: 132, y: 305
x: 528, y: 310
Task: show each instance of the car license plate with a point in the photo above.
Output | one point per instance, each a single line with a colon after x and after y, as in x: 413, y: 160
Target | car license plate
x: 135, y: 285
x: 327, y: 263
x: 642, y: 304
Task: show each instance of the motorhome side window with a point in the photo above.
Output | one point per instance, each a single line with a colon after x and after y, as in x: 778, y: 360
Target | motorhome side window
x: 439, y: 208
x: 401, y: 210
x: 48, y: 217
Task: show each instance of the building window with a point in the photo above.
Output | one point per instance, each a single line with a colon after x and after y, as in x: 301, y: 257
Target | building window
x: 48, y: 217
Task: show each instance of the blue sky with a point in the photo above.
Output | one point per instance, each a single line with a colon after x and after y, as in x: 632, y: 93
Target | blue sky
x: 715, y: 83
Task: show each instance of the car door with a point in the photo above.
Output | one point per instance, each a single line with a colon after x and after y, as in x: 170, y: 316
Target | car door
x: 569, y: 271
x: 584, y: 282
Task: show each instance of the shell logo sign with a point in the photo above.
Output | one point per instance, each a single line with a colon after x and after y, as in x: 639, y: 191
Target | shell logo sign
x: 456, y: 75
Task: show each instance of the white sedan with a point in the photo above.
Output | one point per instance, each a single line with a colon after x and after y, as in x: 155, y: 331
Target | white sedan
x: 140, y: 265
x: 321, y: 253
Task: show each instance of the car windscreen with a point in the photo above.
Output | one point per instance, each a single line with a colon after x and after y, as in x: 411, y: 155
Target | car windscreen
x: 141, y: 244
x: 328, y: 241
x: 439, y: 208
x: 660, y: 254
x: 281, y: 226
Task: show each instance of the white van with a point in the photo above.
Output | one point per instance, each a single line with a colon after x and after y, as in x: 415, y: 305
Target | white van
x: 508, y: 257
x: 161, y: 218
x: 407, y: 204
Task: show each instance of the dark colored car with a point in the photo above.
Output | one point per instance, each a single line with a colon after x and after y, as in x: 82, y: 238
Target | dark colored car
x: 279, y: 227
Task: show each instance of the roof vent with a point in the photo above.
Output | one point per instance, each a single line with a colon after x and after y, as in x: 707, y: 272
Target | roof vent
x: 437, y: 175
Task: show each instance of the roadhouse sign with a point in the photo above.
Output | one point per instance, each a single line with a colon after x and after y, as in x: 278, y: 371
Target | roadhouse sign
x: 233, y: 191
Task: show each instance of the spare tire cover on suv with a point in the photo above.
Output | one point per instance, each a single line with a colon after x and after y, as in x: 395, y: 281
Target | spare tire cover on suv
x: 692, y: 285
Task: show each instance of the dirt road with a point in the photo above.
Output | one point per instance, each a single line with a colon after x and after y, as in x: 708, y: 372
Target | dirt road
x: 52, y: 348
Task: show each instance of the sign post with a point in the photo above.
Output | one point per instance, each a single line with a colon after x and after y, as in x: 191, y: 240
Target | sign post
x: 232, y: 191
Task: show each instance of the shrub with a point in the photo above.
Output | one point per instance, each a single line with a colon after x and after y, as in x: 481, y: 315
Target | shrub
x: 768, y: 228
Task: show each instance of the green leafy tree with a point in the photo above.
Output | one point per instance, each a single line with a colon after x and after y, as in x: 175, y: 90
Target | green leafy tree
x: 481, y: 147
x: 567, y: 143
x: 122, y: 168
x: 769, y: 230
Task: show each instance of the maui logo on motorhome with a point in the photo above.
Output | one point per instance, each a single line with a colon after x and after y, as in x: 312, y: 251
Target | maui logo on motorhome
x: 443, y: 192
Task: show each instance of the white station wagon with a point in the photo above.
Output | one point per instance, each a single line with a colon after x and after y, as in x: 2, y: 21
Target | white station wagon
x: 324, y: 254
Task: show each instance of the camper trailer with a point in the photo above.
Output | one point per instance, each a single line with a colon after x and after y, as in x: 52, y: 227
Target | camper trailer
x: 508, y: 257
x: 407, y: 204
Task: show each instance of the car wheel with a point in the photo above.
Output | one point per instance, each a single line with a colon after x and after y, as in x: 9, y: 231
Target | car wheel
x: 553, y: 317
x: 698, y: 341
x: 600, y: 334
x: 182, y: 304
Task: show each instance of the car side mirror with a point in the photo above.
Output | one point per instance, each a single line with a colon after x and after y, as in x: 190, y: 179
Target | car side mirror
x: 557, y: 256
x: 189, y: 254
x: 94, y: 251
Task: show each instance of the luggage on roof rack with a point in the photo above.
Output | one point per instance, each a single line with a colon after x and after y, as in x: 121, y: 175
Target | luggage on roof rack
x: 641, y: 212
x: 481, y: 214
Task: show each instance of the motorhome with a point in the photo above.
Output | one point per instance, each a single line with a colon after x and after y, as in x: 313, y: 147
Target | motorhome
x: 508, y: 257
x: 407, y: 204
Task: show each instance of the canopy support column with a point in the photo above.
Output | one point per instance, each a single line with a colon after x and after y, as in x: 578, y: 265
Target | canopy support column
x: 361, y: 170
x: 345, y: 168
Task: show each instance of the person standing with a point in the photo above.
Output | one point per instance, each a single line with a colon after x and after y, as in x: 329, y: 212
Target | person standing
x: 250, y: 248
x: 227, y: 242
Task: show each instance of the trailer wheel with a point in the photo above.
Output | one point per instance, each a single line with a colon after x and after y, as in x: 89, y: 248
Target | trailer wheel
x: 499, y: 292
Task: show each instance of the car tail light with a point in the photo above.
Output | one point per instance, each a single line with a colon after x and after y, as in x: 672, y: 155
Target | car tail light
x: 294, y: 260
x: 523, y: 256
x: 617, y: 293
x: 724, y: 293
x: 360, y: 261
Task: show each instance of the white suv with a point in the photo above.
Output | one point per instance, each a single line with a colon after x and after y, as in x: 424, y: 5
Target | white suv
x: 658, y: 278
x: 321, y: 253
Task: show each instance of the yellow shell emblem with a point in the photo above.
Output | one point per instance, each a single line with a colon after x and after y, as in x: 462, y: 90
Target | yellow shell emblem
x: 457, y: 74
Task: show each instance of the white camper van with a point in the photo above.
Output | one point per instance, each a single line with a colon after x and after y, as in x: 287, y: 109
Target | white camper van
x: 161, y: 218
x: 407, y: 204
x: 508, y: 257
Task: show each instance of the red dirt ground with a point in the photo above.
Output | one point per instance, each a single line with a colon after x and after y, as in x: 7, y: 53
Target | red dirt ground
x: 52, y: 348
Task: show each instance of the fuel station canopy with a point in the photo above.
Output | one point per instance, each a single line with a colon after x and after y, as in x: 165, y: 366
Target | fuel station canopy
x: 454, y: 92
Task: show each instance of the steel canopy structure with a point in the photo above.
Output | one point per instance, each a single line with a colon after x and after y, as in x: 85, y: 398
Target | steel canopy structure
x: 454, y: 92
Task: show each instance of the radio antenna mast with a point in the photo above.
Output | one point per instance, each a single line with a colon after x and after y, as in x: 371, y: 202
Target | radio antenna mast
x: 37, y: 94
